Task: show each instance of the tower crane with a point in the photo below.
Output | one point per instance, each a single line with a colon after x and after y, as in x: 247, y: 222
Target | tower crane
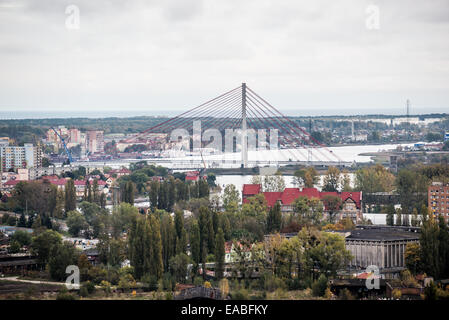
x: 69, y: 155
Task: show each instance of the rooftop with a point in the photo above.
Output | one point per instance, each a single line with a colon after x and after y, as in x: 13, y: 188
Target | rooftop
x: 289, y: 195
x: 384, y: 233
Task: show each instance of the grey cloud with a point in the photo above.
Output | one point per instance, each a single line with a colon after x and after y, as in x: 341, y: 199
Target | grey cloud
x: 159, y: 52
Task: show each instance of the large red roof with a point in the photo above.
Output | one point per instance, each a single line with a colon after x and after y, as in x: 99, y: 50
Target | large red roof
x: 272, y: 197
x: 192, y: 173
x: 251, y: 189
x: 13, y: 182
x: 289, y: 195
x: 57, y: 182
x: 83, y: 182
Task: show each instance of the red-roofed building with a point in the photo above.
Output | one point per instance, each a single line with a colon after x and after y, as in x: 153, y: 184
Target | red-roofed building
x: 58, y: 182
x: 80, y: 186
x: 352, y: 201
x: 10, y: 184
x: 120, y: 172
x: 194, y: 176
x: 192, y: 173
x: 250, y: 190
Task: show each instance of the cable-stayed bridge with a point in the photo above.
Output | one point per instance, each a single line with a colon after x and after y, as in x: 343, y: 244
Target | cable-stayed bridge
x: 238, y: 128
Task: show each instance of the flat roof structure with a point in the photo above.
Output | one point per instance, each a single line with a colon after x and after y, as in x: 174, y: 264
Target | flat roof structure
x: 384, y: 233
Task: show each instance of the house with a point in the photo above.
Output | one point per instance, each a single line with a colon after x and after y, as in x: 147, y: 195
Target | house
x: 80, y: 186
x: 8, y: 186
x: 92, y: 255
x: 351, y: 201
x: 110, y: 180
x: 231, y: 254
x: 54, y: 180
x: 250, y: 190
x: 120, y: 172
x: 194, y: 176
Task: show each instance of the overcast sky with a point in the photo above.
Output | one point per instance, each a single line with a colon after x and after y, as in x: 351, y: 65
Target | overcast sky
x: 305, y: 57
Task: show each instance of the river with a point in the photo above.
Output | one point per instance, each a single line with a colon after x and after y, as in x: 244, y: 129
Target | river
x: 345, y: 153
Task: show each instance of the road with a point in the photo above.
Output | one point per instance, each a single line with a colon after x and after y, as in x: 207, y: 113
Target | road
x: 16, y: 278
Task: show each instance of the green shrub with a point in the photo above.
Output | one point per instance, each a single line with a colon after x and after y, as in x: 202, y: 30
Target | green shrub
x: 241, y: 294
x: 96, y: 275
x: 12, y: 221
x: 273, y: 283
x: 14, y: 247
x: 198, y: 281
x: 345, y: 294
x: 64, y: 294
x: 295, y: 284
x: 126, y: 282
x: 106, y: 287
x: 319, y: 286
x: 90, y: 286
x: 83, y: 292
x: 167, y: 281
x: 150, y: 282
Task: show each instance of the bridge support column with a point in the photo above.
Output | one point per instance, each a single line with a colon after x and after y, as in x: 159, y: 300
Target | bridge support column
x: 244, y: 129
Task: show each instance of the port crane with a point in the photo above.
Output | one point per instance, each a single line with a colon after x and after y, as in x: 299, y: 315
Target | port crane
x: 69, y: 155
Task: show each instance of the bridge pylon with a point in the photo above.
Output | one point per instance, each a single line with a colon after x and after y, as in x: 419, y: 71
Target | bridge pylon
x: 244, y: 129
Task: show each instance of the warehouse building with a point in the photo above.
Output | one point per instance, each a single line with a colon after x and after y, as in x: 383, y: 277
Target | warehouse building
x: 382, y: 246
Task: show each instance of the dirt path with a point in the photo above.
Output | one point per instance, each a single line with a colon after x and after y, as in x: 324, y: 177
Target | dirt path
x: 16, y: 278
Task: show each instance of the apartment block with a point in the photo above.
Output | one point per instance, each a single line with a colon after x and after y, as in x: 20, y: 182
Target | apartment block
x: 438, y: 199
x: 15, y: 157
x: 95, y: 141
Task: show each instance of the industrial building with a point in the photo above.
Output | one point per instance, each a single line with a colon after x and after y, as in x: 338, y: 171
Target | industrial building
x: 382, y: 246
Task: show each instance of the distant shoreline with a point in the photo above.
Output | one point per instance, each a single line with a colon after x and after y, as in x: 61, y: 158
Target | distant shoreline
x: 23, y: 116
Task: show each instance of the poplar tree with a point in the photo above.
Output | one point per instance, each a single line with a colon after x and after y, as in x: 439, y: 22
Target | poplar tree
x: 130, y: 191
x: 194, y: 239
x: 430, y: 247
x: 274, y: 218
x: 390, y: 215
x: 443, y: 249
x: 203, y: 257
x: 70, y: 196
x: 96, y: 197
x: 219, y: 254
x: 59, y: 209
x: 168, y: 235
x: 171, y: 194
x: 102, y: 200
x: 399, y: 217
x: 153, y: 196
x: 415, y: 218
x: 89, y: 193
x: 22, y: 221
x: 156, y: 264
x: 139, y: 247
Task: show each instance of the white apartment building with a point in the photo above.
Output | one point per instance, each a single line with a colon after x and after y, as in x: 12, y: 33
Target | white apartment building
x: 15, y: 157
